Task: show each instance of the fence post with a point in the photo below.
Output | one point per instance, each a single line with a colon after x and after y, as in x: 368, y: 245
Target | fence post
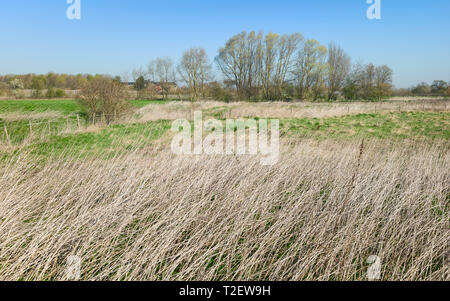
x: 49, y: 128
x: 6, y: 132
x: 78, y: 121
x: 31, y: 129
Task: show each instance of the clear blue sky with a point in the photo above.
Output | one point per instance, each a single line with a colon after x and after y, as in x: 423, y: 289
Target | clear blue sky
x: 115, y: 36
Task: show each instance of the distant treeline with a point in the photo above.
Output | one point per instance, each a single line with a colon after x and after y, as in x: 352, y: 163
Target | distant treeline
x: 52, y: 84
x: 436, y: 88
x: 251, y: 66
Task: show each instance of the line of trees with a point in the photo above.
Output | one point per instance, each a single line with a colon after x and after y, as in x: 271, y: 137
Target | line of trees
x: 274, y: 67
x: 252, y: 66
x: 257, y: 66
x: 437, y: 88
x: 368, y: 82
x: 49, y: 85
x: 194, y: 71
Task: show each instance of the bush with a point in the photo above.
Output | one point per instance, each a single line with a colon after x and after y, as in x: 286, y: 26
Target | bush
x: 104, y: 98
x: 221, y: 94
x: 60, y: 93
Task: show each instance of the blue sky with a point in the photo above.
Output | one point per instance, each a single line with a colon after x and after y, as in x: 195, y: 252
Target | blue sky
x: 115, y: 36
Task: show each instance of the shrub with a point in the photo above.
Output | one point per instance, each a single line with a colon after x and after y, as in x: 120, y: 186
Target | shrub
x: 221, y: 94
x: 60, y: 93
x: 104, y: 98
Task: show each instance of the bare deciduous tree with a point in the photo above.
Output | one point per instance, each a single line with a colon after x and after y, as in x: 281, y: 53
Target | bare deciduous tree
x: 309, y: 69
x: 151, y: 71
x: 194, y: 69
x: 253, y: 61
x: 233, y: 62
x: 166, y: 74
x: 137, y: 73
x: 338, y: 69
x: 286, y: 47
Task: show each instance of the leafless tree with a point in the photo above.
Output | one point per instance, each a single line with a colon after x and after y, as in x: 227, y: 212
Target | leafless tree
x: 254, y: 61
x: 310, y: 69
x: 138, y: 72
x: 125, y: 77
x: 233, y: 62
x: 165, y: 72
x: 286, y: 47
x: 338, y: 69
x: 194, y: 69
x: 151, y: 71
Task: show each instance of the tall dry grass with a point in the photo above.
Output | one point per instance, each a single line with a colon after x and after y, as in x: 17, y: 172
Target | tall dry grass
x: 316, y: 215
x: 184, y: 110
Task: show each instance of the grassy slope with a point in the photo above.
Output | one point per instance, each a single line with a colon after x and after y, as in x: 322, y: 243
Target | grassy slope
x: 125, y: 137
x: 121, y: 138
x: 66, y: 106
x: 109, y: 141
x: 19, y: 129
x: 392, y: 125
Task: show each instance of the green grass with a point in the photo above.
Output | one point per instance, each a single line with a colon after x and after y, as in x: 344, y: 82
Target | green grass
x: 121, y: 138
x: 385, y: 126
x: 19, y: 130
x: 107, y: 142
x: 66, y: 106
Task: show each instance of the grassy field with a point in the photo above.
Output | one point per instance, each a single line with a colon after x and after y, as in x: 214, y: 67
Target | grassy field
x: 50, y: 120
x: 384, y: 126
x: 143, y: 103
x: 66, y: 106
x: 131, y: 210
